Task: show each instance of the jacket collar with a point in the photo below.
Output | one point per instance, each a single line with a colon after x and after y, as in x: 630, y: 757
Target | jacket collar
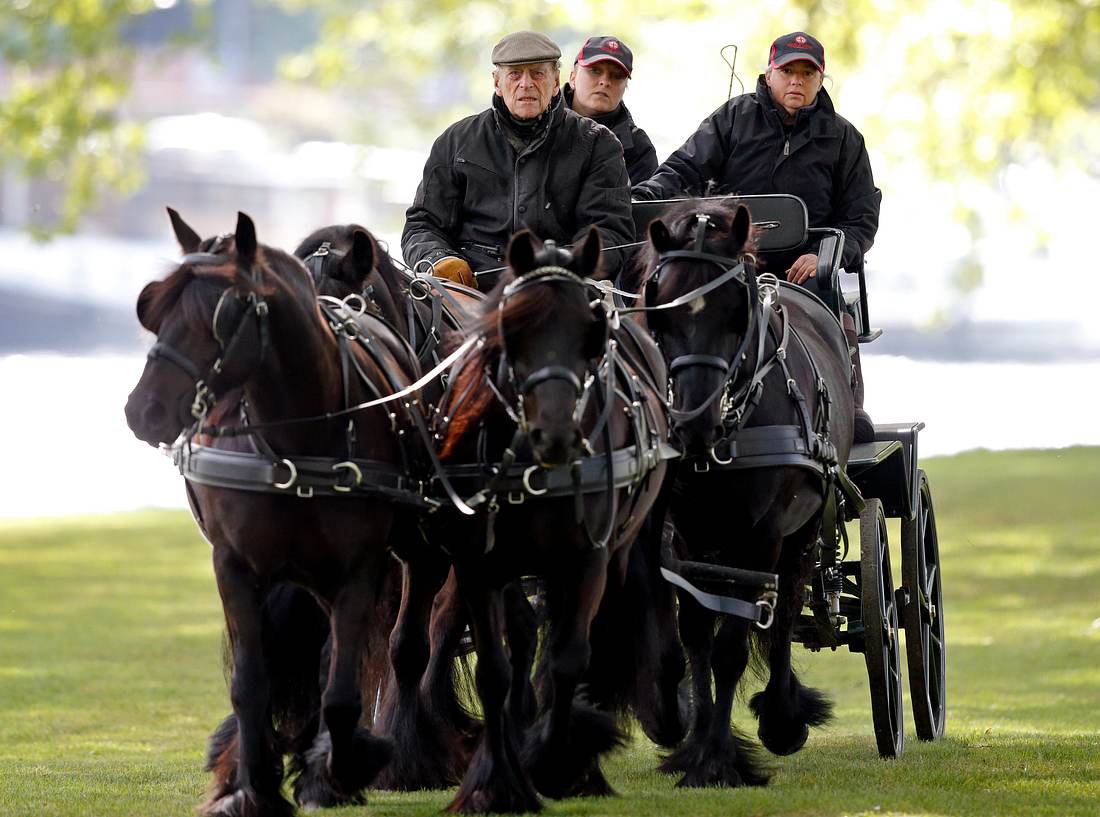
x: 531, y: 131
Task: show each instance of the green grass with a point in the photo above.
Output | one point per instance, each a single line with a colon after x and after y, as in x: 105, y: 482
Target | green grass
x: 110, y: 670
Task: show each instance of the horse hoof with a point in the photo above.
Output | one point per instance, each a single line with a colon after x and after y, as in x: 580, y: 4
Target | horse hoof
x: 784, y: 744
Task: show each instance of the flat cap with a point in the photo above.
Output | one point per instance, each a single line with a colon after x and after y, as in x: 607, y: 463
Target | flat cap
x: 522, y: 47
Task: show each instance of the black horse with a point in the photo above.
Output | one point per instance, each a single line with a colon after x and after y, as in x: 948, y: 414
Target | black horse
x: 561, y: 410
x: 762, y: 406
x: 237, y: 315
x: 422, y: 708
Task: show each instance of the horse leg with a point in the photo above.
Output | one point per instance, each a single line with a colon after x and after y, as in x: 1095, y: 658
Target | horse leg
x: 495, y: 780
x: 785, y: 708
x: 697, y: 635
x: 564, y: 746
x: 421, y: 760
x: 521, y: 629
x: 441, y: 680
x: 345, y: 758
x: 252, y: 789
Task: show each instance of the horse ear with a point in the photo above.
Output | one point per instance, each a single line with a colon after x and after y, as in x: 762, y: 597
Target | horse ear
x: 245, y: 237
x: 521, y: 252
x: 188, y: 239
x: 359, y: 261
x: 741, y: 227
x: 660, y: 237
x: 588, y: 254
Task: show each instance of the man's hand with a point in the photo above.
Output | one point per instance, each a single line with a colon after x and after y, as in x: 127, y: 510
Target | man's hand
x: 804, y: 268
x: 457, y: 270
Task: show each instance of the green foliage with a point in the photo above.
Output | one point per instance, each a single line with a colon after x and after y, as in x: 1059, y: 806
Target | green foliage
x: 110, y: 673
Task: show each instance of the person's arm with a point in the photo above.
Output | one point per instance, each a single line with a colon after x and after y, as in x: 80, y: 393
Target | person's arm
x: 432, y: 221
x: 856, y: 200
x: 604, y: 199
x: 700, y: 159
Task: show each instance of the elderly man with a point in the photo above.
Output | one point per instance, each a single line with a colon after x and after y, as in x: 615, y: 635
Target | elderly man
x: 595, y: 89
x: 527, y: 161
x: 787, y: 138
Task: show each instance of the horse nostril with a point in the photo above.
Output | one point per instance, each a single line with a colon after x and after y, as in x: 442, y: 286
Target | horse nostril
x: 153, y: 415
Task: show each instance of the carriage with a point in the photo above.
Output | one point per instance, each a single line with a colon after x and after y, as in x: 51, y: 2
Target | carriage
x: 852, y: 602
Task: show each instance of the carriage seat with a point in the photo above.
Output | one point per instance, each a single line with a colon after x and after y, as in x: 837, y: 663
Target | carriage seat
x: 782, y: 226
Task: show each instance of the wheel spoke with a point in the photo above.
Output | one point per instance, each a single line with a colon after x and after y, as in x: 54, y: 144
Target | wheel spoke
x: 930, y: 580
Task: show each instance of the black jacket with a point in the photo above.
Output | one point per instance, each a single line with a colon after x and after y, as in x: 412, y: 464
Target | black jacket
x: 638, y: 150
x: 743, y: 148
x: 477, y: 191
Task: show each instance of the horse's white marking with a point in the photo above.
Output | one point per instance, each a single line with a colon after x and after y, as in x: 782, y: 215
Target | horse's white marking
x: 698, y: 304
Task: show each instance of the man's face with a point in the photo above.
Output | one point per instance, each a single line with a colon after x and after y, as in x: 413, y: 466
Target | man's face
x: 526, y: 89
x: 597, y: 88
x: 794, y: 85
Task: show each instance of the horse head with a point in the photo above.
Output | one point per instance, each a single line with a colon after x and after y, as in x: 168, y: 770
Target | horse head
x: 551, y: 333
x: 211, y: 320
x: 701, y: 300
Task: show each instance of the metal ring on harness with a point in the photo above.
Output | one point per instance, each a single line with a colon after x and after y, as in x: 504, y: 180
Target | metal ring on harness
x: 347, y: 465
x: 420, y: 288
x: 527, y: 482
x: 767, y: 605
x: 718, y: 461
x: 293, y: 475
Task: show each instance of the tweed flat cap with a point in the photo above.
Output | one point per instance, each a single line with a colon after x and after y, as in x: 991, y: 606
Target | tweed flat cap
x: 522, y: 47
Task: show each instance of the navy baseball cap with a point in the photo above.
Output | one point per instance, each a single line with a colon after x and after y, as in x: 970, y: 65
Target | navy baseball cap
x: 605, y: 49
x: 797, y: 45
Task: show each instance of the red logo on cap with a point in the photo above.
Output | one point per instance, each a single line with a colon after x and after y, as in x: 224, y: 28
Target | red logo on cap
x: 800, y: 39
x: 611, y: 45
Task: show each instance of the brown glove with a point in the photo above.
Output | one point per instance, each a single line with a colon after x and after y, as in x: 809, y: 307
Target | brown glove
x: 457, y: 270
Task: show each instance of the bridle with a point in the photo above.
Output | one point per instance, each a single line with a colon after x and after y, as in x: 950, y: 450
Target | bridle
x: 229, y: 339
x: 734, y: 271
x: 548, y: 274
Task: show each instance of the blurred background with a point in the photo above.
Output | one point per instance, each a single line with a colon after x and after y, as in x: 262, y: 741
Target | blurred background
x: 980, y: 116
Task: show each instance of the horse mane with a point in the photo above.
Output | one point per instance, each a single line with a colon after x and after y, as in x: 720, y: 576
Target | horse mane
x: 680, y: 219
x: 159, y: 298
x: 529, y: 307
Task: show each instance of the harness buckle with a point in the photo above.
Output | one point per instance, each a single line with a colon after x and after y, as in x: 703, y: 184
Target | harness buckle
x: 516, y: 497
x: 701, y: 466
x: 356, y: 473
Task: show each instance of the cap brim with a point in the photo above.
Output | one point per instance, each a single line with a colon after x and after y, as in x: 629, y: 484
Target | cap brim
x: 787, y: 59
x: 603, y: 58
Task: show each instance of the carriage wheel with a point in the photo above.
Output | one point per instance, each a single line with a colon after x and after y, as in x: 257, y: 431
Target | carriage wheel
x: 882, y: 648
x: 922, y: 616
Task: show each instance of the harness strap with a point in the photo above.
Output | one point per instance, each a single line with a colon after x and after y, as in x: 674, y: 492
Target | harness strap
x: 522, y: 480
x: 760, y: 614
x: 305, y: 476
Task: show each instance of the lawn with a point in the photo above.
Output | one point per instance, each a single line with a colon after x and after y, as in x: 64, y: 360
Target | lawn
x: 110, y: 669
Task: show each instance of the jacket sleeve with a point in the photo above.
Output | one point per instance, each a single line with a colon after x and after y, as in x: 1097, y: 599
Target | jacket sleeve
x: 431, y: 223
x: 856, y: 201
x: 643, y: 159
x: 605, y: 199
x: 700, y: 159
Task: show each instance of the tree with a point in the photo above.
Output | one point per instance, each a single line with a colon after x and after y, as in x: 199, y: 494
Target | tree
x: 66, y: 73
